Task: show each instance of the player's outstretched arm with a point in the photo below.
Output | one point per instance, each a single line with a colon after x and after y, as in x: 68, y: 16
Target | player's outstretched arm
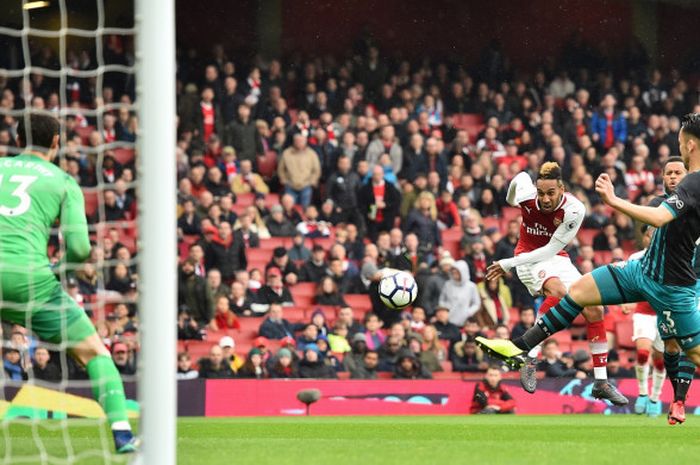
x: 654, y: 216
x: 74, y: 224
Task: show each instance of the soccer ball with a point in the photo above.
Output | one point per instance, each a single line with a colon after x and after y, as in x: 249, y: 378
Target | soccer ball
x: 398, y: 290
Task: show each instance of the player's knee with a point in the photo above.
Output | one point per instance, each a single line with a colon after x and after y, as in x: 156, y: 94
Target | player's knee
x: 555, y: 288
x: 642, y: 356
x: 659, y: 364
x: 671, y: 346
x: 593, y: 314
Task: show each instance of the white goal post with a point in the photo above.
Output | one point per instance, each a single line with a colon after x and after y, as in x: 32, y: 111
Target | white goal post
x: 155, y: 58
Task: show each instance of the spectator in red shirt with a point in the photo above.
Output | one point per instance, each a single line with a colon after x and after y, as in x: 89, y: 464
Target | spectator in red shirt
x: 490, y: 396
x: 382, y: 201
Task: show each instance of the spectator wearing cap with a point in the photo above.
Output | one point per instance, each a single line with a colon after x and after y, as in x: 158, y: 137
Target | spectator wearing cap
x: 308, y: 336
x: 228, y: 346
x: 225, y: 253
x: 315, y: 268
x: 42, y: 368
x: 327, y: 293
x: 184, y: 367
x: 242, y: 134
x: 490, y: 396
x: 123, y: 359
x: 278, y: 225
x: 358, y: 347
x: 214, y: 366
x: 254, y: 366
x: 298, y: 251
x: 284, y: 366
x: 427, y: 358
x: 318, y: 318
x: 299, y: 170
x: 193, y: 296
x: 342, y: 187
x: 311, y: 366
x: 280, y: 259
x: 247, y: 181
x: 367, y: 367
x: 246, y: 232
x: 275, y: 326
x: 408, y: 366
x: 274, y: 290
x: 381, y: 201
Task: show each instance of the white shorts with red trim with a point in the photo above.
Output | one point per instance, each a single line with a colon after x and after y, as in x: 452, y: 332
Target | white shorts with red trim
x: 534, y: 275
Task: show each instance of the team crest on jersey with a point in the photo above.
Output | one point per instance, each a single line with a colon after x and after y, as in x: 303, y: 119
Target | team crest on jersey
x: 556, y: 222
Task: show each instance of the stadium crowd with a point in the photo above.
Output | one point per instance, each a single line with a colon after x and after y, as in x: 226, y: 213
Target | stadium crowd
x: 299, y: 180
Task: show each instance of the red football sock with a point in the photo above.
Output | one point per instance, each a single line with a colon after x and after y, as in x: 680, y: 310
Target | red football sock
x: 598, y: 343
x: 547, y: 303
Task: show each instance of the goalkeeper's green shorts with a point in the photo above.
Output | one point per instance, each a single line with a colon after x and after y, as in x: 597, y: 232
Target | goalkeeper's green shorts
x: 57, y: 320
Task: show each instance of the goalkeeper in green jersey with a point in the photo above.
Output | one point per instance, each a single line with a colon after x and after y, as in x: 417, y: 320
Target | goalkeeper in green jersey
x: 33, y: 194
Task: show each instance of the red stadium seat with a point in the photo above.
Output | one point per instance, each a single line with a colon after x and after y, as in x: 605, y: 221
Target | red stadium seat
x: 264, y: 255
x: 325, y: 242
x: 453, y: 247
x: 245, y: 199
x: 454, y: 233
x: 304, y: 301
x: 271, y: 200
x: 510, y: 213
x: 306, y: 289
x: 267, y: 164
x: 124, y: 155
x: 84, y: 133
x: 358, y: 301
x: 294, y: 314
x: 91, y: 201
x: 491, y: 222
x: 586, y: 235
x: 274, y: 242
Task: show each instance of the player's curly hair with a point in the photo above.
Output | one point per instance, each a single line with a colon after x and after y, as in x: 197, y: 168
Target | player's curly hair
x: 550, y: 170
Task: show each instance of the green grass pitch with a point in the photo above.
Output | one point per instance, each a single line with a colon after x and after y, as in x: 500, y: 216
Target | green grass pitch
x: 540, y: 440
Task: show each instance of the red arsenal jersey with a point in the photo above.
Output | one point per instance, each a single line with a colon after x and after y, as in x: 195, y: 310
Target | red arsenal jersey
x: 538, y: 227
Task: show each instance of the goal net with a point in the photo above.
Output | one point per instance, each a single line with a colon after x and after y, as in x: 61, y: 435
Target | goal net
x: 83, y: 62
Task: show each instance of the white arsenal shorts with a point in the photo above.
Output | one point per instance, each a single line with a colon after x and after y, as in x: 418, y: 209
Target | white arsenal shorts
x: 533, y: 276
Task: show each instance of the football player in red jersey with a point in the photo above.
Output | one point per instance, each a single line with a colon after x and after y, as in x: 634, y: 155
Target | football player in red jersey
x: 551, y: 219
